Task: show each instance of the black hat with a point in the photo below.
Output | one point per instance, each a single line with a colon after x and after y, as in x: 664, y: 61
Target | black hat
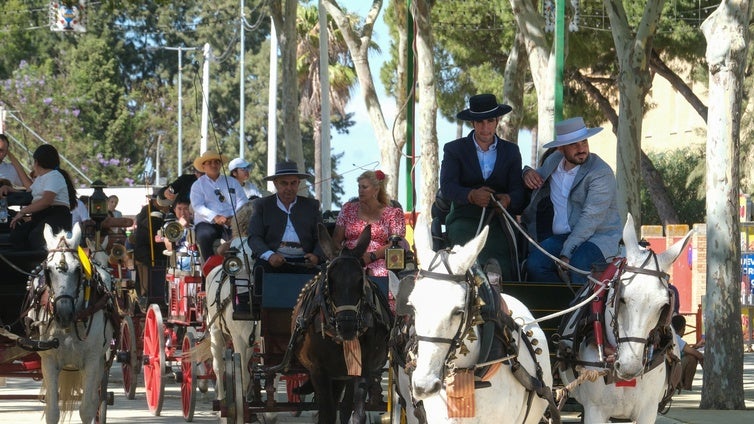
x: 287, y: 168
x: 483, y: 106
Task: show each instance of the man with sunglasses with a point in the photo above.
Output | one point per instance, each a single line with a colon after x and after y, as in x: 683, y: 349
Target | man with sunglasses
x: 473, y: 169
x: 214, y: 198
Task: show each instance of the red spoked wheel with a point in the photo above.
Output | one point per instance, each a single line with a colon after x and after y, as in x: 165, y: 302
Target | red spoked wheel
x: 128, y: 356
x: 154, y: 359
x: 189, y: 375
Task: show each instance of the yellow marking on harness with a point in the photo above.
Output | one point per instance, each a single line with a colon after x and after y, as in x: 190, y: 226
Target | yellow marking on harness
x: 86, y: 265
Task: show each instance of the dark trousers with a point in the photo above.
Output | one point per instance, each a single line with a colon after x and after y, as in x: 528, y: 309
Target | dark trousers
x: 30, y: 234
x: 206, y: 234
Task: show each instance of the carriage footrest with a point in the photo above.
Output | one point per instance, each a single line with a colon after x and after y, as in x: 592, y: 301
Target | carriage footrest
x: 244, y: 316
x: 482, y: 384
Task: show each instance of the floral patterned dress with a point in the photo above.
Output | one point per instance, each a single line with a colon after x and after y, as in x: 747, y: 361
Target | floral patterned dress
x: 391, y: 222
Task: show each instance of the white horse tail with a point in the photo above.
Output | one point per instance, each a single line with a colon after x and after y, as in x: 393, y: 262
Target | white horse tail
x: 70, y: 392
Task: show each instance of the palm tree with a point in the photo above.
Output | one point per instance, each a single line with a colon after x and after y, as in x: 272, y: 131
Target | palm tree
x: 342, y: 77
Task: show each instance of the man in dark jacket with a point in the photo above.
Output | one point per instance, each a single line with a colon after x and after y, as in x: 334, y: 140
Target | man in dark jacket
x: 283, y: 227
x: 148, y: 251
x: 474, y: 168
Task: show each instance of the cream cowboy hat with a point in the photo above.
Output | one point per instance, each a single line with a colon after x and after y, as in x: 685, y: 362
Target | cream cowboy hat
x: 483, y: 106
x: 284, y: 169
x: 571, y: 131
x: 207, y: 156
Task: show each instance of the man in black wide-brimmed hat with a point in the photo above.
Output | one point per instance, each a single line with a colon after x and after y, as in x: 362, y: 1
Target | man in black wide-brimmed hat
x: 474, y: 168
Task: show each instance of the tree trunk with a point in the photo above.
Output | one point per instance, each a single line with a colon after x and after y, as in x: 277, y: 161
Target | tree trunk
x: 652, y: 179
x: 513, y: 89
x: 726, y: 31
x: 358, y: 45
x: 285, y: 23
x: 659, y: 66
x: 427, y: 104
x: 531, y: 24
x: 632, y: 49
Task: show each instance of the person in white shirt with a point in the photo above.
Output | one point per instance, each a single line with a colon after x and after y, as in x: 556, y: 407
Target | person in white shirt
x: 53, y: 195
x: 12, y: 170
x: 215, y: 198
x: 239, y: 169
x: 80, y: 214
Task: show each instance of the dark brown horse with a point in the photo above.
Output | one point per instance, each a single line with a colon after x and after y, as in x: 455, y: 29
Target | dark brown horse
x: 344, y: 321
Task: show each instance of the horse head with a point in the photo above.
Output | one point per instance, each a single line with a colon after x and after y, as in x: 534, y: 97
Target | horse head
x: 639, y: 302
x: 344, y: 282
x: 442, y: 301
x: 98, y: 252
x: 63, y: 273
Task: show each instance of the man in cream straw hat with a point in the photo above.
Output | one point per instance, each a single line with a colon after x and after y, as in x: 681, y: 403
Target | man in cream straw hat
x: 214, y: 198
x: 573, y: 213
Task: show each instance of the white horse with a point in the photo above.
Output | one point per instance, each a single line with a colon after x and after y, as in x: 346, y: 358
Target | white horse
x: 449, y: 332
x: 222, y: 326
x: 637, y: 311
x: 72, y: 311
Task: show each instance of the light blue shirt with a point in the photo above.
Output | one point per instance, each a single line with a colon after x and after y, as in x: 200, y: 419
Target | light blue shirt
x: 486, y: 159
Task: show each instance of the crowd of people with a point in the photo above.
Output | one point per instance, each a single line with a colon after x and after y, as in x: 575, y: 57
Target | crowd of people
x: 568, y: 204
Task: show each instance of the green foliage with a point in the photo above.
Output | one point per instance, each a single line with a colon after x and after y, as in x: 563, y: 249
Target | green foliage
x: 106, y: 97
x: 685, y: 185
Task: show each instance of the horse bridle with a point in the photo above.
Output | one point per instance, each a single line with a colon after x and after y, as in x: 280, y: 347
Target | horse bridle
x: 441, y: 257
x: 661, y: 275
x: 61, y: 266
x: 334, y: 309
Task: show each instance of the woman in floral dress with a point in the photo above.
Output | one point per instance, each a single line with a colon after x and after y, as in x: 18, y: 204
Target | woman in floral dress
x: 372, y: 208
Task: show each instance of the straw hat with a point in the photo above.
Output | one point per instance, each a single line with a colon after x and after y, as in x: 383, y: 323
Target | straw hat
x: 207, y: 156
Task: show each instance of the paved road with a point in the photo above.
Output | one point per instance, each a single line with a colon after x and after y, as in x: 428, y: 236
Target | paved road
x: 685, y: 407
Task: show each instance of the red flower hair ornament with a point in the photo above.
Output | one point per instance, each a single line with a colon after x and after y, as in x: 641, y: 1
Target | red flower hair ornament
x: 379, y: 175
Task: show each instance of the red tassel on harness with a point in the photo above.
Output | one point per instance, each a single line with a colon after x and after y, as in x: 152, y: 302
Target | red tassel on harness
x: 598, y: 305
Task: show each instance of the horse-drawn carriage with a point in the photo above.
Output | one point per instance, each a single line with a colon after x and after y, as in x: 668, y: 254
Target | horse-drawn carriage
x: 62, y: 304
x: 474, y: 359
x: 310, y: 330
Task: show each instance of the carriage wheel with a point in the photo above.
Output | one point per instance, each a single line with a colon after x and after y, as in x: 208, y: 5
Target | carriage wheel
x: 128, y: 357
x: 189, y: 372
x: 101, y: 417
x: 154, y: 359
x: 234, y: 404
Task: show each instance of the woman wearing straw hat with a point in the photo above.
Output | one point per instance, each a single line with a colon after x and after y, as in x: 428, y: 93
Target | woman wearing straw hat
x: 586, y: 226
x: 474, y: 168
x: 214, y: 198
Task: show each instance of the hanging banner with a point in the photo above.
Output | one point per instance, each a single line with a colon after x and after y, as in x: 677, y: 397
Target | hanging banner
x: 68, y: 16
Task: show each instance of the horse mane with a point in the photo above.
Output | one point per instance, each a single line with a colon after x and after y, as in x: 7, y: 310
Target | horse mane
x: 240, y: 224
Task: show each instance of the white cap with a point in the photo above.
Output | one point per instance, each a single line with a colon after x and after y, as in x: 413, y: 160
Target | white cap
x: 238, y: 163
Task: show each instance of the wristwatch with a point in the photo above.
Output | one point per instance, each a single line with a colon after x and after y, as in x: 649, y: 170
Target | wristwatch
x: 372, y: 257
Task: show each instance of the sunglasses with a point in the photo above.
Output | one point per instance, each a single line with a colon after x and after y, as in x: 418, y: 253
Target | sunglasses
x: 219, y: 195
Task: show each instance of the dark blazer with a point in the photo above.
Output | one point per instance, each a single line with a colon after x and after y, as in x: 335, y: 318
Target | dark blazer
x: 460, y: 172
x: 268, y: 223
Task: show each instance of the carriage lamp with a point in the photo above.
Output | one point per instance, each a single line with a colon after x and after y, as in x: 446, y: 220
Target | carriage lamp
x: 98, y: 202
x: 232, y: 264
x: 394, y: 255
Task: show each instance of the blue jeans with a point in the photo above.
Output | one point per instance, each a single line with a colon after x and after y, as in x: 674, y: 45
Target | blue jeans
x: 540, y: 268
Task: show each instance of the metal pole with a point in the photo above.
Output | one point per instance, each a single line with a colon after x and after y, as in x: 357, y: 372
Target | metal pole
x: 242, y: 85
x: 324, y: 80
x: 272, y: 122
x: 409, y: 206
x: 205, y: 98
x: 180, y: 51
